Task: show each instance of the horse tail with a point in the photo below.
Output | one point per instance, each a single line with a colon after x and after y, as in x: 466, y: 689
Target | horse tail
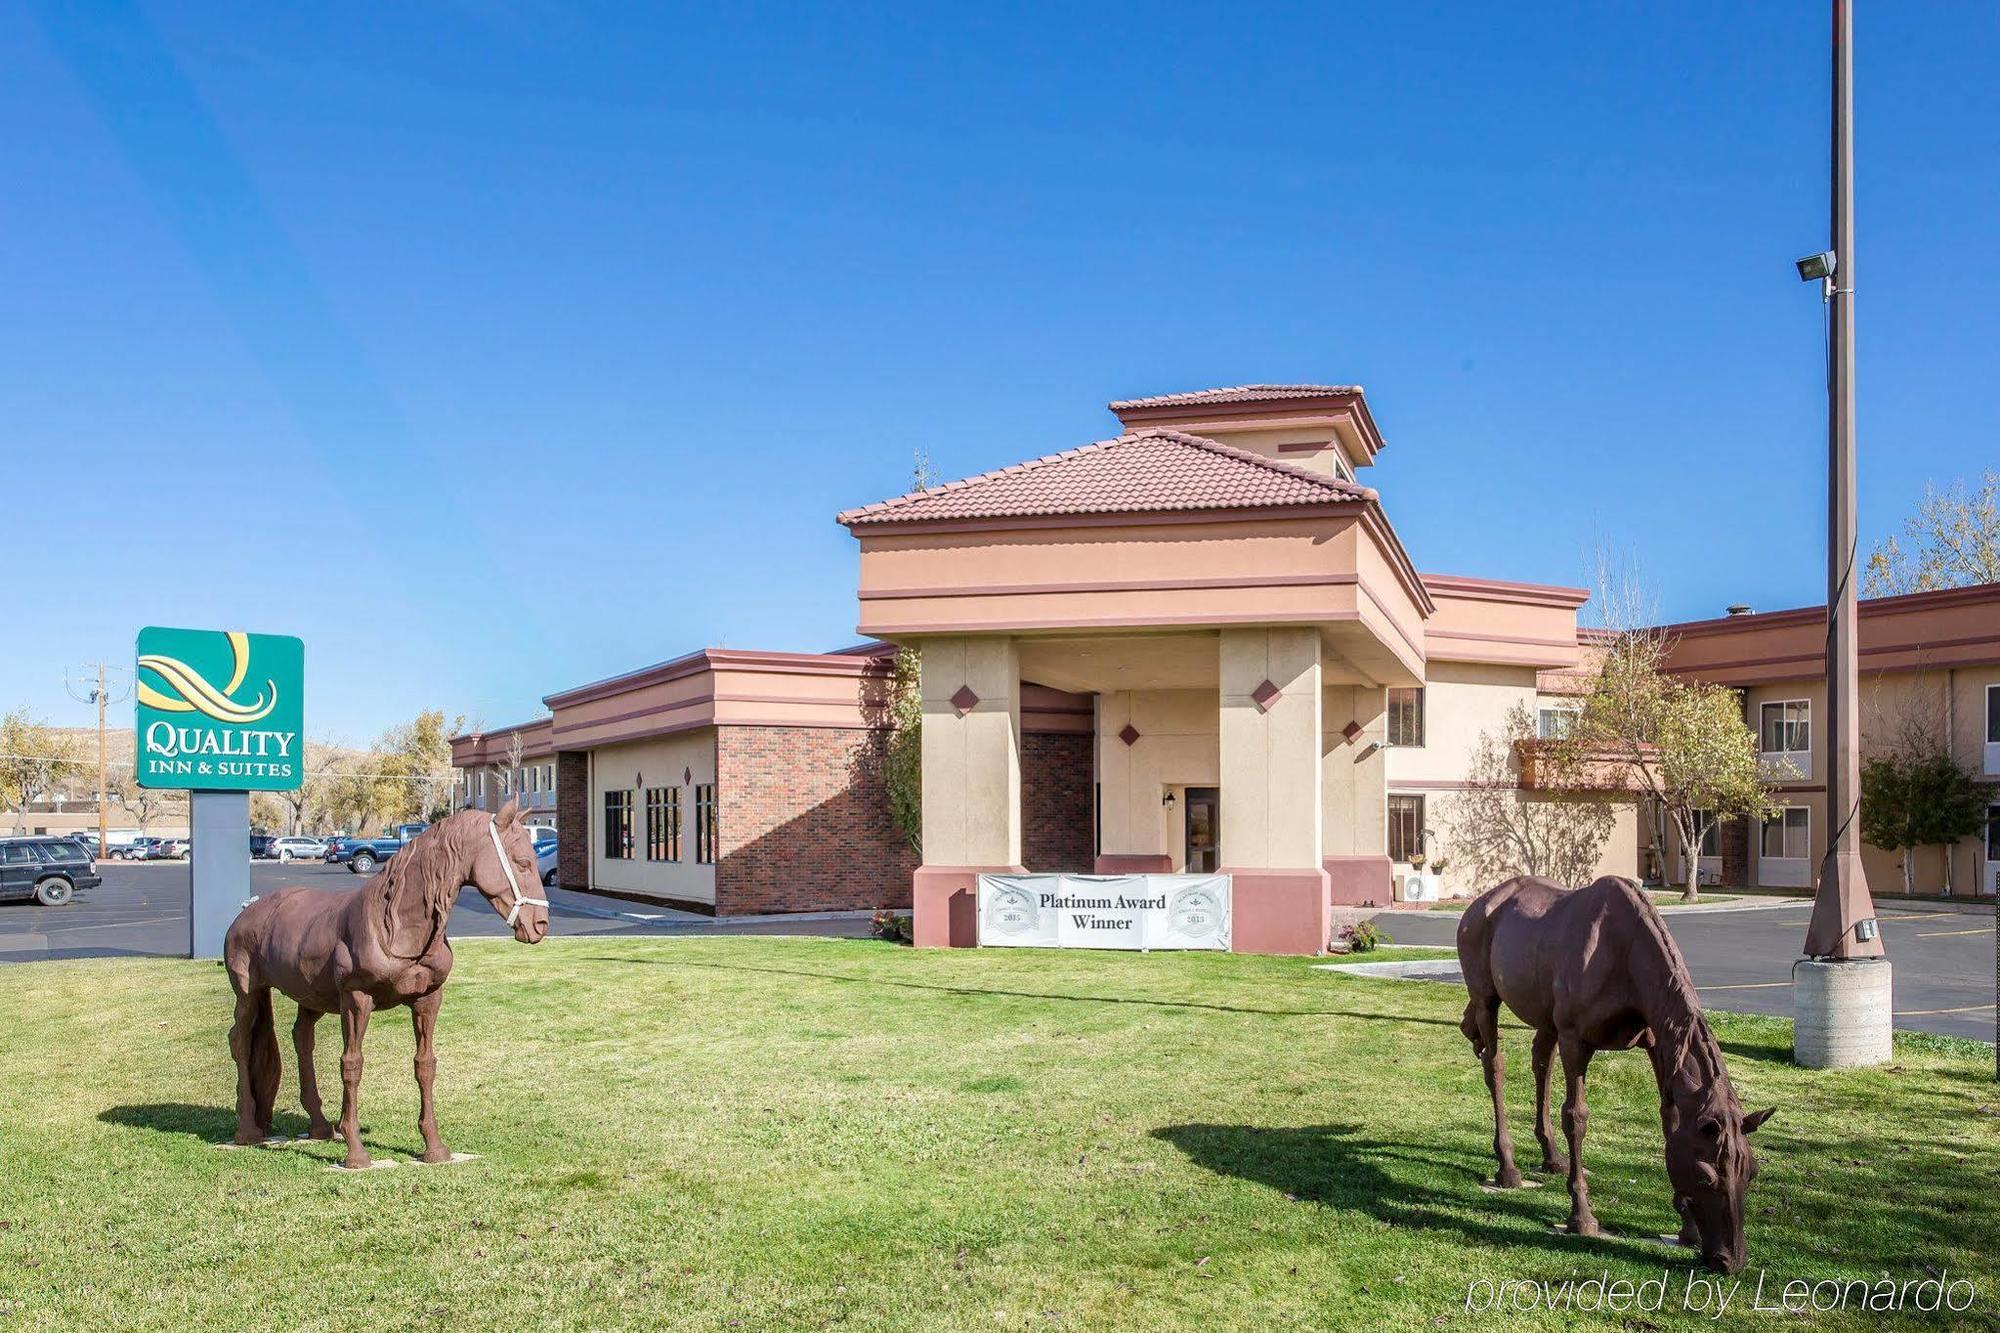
x: 264, y: 1062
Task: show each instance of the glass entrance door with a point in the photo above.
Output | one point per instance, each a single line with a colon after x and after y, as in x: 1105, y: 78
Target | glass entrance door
x: 1204, y: 830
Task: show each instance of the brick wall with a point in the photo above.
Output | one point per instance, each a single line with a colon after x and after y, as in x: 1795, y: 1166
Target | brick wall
x: 573, y: 819
x: 805, y: 822
x: 1056, y: 801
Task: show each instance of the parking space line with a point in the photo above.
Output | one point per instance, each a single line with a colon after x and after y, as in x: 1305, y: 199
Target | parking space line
x: 1926, y: 1013
x: 1940, y: 934
x: 1744, y: 985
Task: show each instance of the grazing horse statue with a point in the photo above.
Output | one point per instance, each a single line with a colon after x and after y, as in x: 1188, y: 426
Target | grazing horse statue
x: 359, y: 950
x: 1594, y: 969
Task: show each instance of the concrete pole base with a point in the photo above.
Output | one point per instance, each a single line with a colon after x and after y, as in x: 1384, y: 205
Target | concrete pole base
x: 1841, y: 1013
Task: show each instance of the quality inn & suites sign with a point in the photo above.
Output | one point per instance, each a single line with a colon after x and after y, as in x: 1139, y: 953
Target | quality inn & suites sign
x: 219, y: 710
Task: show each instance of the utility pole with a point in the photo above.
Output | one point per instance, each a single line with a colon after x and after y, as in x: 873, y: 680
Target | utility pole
x: 101, y: 696
x: 1841, y: 989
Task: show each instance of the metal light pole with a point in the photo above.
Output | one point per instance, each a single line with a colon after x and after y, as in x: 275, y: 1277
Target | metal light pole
x: 1841, y: 990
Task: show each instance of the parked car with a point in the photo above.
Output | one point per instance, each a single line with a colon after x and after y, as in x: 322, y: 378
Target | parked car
x: 362, y: 855
x: 169, y: 849
x: 138, y: 849
x: 545, y: 859
x: 296, y: 848
x: 87, y: 841
x: 260, y: 846
x: 48, y: 870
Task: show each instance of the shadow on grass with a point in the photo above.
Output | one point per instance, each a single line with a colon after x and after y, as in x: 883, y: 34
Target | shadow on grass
x: 210, y: 1124
x: 1027, y: 995
x: 1334, y: 1166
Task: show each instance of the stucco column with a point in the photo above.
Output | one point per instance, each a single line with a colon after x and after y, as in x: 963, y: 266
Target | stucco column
x: 971, y: 690
x: 1272, y: 800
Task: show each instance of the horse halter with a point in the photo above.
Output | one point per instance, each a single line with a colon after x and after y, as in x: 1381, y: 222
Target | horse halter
x: 506, y: 864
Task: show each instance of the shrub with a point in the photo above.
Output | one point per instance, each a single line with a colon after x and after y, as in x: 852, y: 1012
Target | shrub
x: 891, y: 926
x: 1364, y: 936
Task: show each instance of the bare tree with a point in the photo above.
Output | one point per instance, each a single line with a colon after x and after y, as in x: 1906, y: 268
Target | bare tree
x: 145, y: 804
x: 1556, y: 831
x: 319, y: 763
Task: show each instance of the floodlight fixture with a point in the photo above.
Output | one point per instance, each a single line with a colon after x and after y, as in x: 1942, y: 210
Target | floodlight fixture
x: 1817, y: 268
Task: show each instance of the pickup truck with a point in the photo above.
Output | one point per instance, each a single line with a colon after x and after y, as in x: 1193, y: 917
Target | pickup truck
x: 362, y: 855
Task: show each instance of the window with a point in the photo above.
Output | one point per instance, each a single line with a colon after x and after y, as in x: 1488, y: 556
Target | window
x: 704, y: 824
x: 1786, y: 727
x: 663, y: 823
x: 1786, y: 834
x: 1406, y: 715
x: 1992, y: 764
x: 482, y: 789
x: 618, y: 826
x: 1406, y: 826
x: 1711, y: 832
x: 1556, y: 722
x: 1993, y: 835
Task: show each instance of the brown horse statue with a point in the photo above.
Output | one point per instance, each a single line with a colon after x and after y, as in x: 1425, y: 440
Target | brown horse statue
x: 359, y: 950
x: 1594, y: 969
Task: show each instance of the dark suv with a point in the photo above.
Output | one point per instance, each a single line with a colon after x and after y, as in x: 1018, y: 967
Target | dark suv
x: 49, y: 870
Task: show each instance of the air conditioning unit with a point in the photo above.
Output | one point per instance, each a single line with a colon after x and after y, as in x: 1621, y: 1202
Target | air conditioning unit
x: 1420, y: 888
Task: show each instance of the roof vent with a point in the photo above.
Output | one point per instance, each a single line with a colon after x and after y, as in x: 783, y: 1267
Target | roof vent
x: 1739, y: 608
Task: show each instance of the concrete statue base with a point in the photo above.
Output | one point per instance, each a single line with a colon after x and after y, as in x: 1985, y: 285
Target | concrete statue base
x: 1841, y: 1013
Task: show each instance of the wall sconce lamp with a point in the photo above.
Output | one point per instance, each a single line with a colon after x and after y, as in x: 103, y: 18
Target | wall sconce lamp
x: 1168, y: 800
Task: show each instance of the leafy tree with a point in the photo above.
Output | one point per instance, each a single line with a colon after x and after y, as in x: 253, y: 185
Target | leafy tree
x: 903, y: 773
x: 1683, y: 742
x: 415, y: 772
x: 1917, y: 797
x: 34, y: 761
x: 1954, y: 542
x: 1500, y: 830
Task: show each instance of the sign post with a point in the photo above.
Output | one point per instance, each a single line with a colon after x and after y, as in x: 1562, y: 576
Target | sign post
x: 219, y: 715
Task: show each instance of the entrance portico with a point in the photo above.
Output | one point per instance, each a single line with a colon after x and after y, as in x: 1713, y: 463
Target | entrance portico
x: 1236, y: 615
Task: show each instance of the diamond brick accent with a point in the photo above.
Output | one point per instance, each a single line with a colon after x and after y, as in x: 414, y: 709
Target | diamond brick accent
x: 1351, y: 730
x: 1128, y: 734
x: 964, y: 699
x: 1264, y: 696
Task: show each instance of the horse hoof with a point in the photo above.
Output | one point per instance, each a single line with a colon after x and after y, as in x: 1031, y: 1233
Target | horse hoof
x: 360, y: 1161
x: 1584, y: 1227
x: 321, y: 1132
x: 436, y: 1156
x: 1555, y: 1166
x: 248, y: 1138
x: 1509, y: 1179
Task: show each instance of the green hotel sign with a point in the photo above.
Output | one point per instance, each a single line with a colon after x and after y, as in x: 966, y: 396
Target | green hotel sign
x: 219, y: 710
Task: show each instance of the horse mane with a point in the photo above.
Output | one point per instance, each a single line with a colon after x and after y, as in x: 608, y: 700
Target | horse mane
x: 1685, y: 1051
x: 420, y: 884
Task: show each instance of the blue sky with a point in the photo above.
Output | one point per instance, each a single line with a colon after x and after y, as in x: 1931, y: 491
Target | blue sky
x: 494, y: 348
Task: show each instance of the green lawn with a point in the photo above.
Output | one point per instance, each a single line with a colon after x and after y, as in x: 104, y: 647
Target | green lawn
x: 759, y: 1132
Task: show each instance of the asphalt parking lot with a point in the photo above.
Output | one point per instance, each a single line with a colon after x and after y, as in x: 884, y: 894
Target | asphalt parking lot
x: 142, y: 909
x: 1742, y: 959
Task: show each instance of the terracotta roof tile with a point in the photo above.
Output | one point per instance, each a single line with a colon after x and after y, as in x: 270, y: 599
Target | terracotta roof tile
x: 1144, y: 472
x: 1239, y: 393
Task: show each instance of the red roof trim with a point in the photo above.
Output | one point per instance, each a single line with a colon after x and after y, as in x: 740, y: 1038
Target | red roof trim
x: 894, y: 510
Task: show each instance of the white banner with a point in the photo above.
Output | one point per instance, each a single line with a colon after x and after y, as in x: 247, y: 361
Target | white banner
x: 1104, y: 911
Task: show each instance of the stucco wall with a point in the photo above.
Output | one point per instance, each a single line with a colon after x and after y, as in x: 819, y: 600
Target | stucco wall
x: 685, y: 760
x: 1179, y: 746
